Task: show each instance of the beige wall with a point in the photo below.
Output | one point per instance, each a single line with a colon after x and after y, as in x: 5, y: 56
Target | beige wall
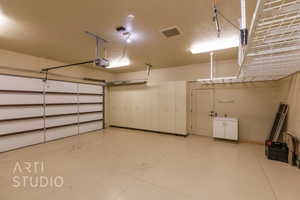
x: 184, y: 73
x: 290, y: 94
x: 22, y: 64
x: 27, y: 65
x: 254, y: 104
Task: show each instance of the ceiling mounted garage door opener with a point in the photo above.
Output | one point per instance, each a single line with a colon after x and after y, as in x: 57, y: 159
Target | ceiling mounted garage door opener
x: 99, y: 61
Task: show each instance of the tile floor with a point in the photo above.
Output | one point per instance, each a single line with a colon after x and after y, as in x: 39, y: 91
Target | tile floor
x: 120, y: 164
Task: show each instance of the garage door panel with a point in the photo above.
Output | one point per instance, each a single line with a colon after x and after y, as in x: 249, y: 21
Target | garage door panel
x: 90, y: 98
x: 20, y: 140
x: 61, y: 109
x: 61, y: 120
x: 60, y: 98
x: 91, y: 108
x: 20, y: 98
x: 61, y: 132
x: 20, y: 83
x: 9, y: 127
x: 90, y: 117
x: 92, y: 126
x: 20, y: 112
x: 90, y: 89
x: 60, y: 86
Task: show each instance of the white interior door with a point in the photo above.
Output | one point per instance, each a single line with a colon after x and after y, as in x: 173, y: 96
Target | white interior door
x: 201, y: 107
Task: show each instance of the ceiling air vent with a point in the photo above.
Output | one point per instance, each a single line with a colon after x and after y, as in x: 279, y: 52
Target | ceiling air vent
x: 170, y: 32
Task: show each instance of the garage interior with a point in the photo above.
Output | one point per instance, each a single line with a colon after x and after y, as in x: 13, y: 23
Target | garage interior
x: 128, y: 99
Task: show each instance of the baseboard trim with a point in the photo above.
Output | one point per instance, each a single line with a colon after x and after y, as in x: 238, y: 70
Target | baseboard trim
x: 252, y: 142
x: 158, y: 132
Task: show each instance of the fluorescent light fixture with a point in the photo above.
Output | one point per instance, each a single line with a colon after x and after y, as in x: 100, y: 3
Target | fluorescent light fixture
x: 119, y: 63
x: 215, y: 45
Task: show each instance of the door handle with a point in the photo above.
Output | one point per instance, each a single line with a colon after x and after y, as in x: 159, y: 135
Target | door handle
x: 213, y: 114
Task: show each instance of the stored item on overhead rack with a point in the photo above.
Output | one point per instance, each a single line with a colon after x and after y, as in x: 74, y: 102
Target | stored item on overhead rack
x: 127, y: 82
x: 133, y: 82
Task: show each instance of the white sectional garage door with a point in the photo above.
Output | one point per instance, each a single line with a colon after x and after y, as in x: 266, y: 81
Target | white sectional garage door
x: 33, y: 111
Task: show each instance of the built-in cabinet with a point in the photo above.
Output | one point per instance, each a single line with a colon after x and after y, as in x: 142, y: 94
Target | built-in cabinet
x: 225, y: 128
x: 34, y: 111
x: 156, y: 107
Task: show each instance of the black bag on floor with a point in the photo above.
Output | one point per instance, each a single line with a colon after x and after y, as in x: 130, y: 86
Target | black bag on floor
x: 277, y: 151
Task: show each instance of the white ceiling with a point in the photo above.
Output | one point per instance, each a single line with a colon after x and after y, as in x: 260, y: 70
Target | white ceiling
x: 54, y: 29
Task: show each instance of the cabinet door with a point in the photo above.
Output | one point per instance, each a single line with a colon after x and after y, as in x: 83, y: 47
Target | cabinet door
x: 180, y: 108
x: 219, y: 129
x: 231, y: 132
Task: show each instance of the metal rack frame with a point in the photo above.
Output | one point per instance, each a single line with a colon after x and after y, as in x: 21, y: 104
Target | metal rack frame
x: 273, y: 51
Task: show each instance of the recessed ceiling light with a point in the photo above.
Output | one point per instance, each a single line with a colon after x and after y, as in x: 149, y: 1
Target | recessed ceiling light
x: 215, y: 45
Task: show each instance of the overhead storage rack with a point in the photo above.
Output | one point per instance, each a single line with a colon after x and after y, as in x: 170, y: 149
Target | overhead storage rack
x: 273, y: 50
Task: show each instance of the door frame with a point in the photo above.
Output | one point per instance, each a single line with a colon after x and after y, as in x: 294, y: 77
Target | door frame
x: 190, y: 109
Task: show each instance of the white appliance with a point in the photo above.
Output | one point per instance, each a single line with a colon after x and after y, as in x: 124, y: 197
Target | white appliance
x: 225, y: 128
